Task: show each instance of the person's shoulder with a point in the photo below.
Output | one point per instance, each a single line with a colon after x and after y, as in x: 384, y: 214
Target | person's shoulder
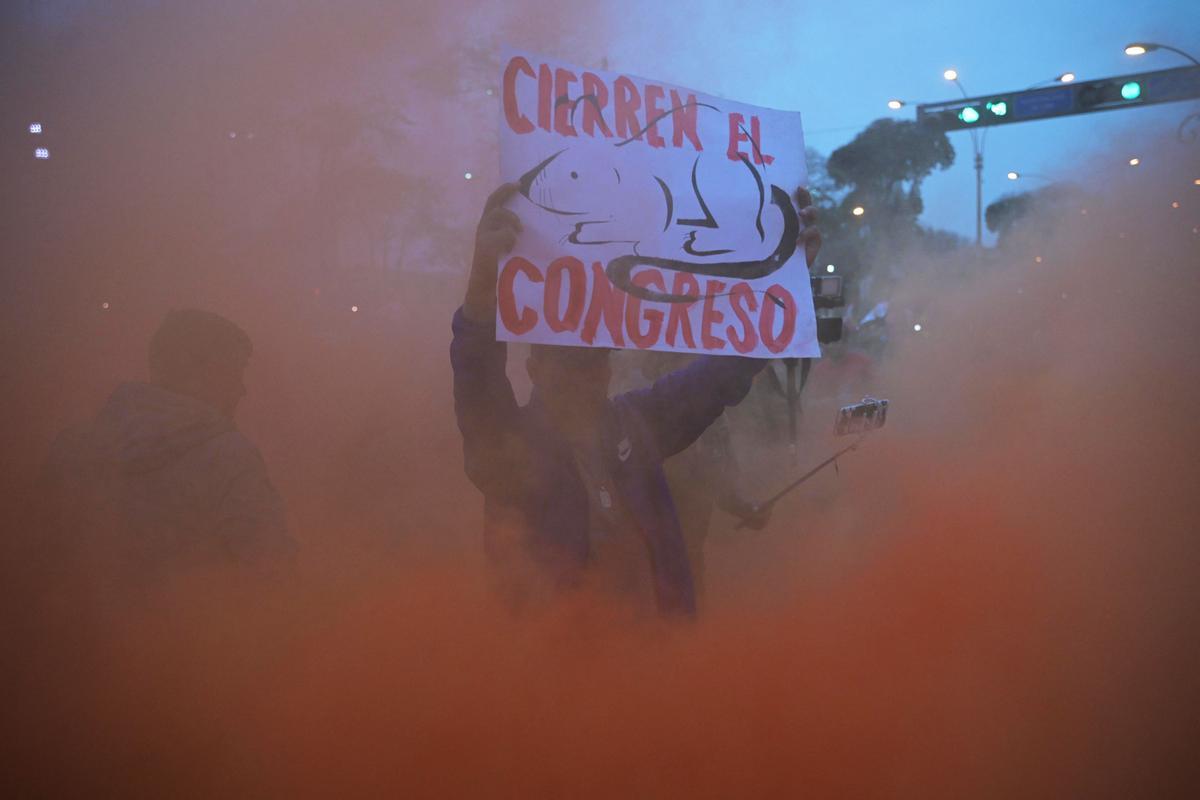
x: 232, y: 448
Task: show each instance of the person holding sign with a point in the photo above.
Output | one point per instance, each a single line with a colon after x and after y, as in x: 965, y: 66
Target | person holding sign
x: 656, y: 217
x: 573, y: 481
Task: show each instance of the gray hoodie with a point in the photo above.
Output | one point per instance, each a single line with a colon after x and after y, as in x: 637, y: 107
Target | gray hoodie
x: 159, y: 478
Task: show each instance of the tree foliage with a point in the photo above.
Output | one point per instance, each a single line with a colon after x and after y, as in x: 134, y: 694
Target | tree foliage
x: 885, y: 164
x: 1034, y: 211
x: 881, y: 170
x: 889, y: 152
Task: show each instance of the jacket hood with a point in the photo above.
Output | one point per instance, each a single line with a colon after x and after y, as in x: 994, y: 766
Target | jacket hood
x: 143, y: 427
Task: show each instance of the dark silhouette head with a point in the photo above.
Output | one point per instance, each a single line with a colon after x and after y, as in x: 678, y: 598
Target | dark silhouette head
x: 202, y: 355
x: 572, y: 383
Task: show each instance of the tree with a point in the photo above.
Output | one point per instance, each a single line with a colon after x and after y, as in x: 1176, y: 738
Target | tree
x: 1032, y: 212
x: 883, y: 168
x: 880, y: 170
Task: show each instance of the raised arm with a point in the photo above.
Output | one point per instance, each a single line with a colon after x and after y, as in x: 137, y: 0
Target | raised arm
x: 681, y: 405
x: 494, y: 237
x: 484, y: 402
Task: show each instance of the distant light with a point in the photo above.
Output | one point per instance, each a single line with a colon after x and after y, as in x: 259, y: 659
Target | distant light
x: 1131, y: 90
x: 489, y: 92
x: 1066, y: 77
x: 1197, y: 181
x: 917, y: 327
x: 1133, y: 162
x: 1012, y: 176
x: 233, y: 134
x: 950, y: 74
x: 858, y: 211
x: 1083, y: 211
x: 35, y: 127
x: 1174, y: 204
x: 467, y: 175
x: 1135, y: 50
x: 104, y: 305
x: 830, y: 268
x: 968, y: 115
x: 895, y: 105
x: 1038, y: 259
x: 354, y: 309
x: 41, y: 152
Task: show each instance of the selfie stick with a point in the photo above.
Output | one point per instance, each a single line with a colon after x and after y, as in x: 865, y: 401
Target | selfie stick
x: 785, y: 490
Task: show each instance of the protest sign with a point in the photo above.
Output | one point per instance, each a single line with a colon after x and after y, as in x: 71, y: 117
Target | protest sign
x: 655, y: 217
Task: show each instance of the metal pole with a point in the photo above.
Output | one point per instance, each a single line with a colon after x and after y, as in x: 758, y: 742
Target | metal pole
x: 979, y: 198
x: 1188, y: 56
x: 977, y: 145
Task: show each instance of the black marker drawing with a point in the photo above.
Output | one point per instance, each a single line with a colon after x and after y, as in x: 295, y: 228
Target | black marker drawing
x: 661, y: 117
x: 581, y: 184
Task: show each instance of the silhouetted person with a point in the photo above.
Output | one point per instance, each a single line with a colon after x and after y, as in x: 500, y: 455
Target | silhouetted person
x: 573, y: 481
x: 161, y: 478
x: 702, y: 478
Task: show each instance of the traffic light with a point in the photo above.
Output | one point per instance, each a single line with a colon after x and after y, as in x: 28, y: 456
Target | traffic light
x: 1122, y: 91
x: 1098, y: 95
x: 973, y: 114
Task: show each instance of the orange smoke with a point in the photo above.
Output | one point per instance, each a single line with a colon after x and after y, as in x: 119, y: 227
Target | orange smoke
x: 995, y: 597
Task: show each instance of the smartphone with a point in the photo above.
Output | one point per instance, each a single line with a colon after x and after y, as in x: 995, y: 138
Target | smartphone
x: 868, y: 415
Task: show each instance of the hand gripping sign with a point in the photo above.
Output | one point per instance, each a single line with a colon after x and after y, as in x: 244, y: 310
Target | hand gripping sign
x: 654, y: 217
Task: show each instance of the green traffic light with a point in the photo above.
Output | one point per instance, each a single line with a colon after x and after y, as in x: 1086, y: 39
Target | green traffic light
x: 999, y: 108
x: 968, y: 115
x: 1131, y: 90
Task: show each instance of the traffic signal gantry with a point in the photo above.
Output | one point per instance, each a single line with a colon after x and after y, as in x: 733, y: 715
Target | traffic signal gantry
x: 1084, y: 97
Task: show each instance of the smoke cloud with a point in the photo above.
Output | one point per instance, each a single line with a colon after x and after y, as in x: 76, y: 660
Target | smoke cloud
x: 994, y: 596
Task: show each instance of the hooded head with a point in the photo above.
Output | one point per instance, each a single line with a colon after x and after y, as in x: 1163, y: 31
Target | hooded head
x: 202, y: 355
x: 572, y: 383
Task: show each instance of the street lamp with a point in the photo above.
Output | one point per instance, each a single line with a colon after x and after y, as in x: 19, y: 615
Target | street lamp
x: 858, y: 211
x: 1014, y: 175
x: 1133, y: 162
x: 1141, y: 48
x: 895, y: 104
x: 977, y: 144
x: 1062, y: 77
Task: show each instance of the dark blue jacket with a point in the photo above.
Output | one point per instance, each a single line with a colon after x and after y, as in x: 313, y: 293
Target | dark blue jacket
x: 526, y: 471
